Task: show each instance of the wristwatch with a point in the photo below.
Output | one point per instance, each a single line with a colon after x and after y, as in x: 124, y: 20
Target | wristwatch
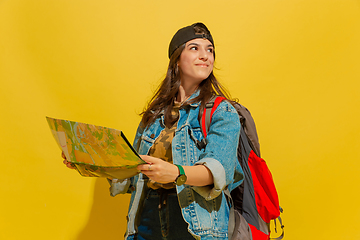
x: 181, y: 179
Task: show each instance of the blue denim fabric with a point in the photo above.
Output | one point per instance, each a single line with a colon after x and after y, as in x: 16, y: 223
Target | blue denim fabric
x: 161, y: 217
x: 204, y: 208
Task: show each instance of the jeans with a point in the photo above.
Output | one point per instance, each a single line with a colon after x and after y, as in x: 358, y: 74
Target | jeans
x: 161, y: 217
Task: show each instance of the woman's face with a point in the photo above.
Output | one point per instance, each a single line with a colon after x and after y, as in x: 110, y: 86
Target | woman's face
x: 196, y: 61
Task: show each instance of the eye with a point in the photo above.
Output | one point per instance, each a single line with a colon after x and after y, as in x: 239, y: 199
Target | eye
x: 210, y: 50
x: 193, y: 48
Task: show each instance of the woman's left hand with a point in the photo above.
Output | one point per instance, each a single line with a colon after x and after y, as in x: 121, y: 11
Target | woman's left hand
x: 158, y: 170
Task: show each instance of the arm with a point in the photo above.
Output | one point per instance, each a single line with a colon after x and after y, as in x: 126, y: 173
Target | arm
x: 220, y: 155
x: 165, y: 172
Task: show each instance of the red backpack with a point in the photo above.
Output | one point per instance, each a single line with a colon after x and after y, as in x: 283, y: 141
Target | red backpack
x: 255, y: 202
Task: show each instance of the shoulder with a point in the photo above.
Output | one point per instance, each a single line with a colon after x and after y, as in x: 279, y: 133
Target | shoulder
x: 225, y: 106
x: 226, y: 114
x: 140, y: 128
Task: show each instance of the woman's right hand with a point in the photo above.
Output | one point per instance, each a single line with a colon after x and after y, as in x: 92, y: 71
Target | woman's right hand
x: 66, y: 162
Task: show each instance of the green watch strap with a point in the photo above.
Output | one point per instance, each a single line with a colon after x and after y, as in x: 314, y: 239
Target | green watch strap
x: 181, y: 179
x: 181, y: 169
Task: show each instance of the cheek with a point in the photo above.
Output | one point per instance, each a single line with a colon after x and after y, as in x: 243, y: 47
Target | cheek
x: 185, y: 63
x: 211, y: 60
x: 211, y: 65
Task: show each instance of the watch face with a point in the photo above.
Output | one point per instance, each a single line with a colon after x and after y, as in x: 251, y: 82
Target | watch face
x: 181, y: 179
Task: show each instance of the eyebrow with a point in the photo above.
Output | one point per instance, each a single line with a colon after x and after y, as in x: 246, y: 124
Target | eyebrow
x: 210, y: 45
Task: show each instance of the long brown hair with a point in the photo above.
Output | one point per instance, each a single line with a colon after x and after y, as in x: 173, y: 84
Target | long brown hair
x: 167, y: 91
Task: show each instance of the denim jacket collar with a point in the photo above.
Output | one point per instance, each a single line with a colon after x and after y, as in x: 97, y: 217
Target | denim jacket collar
x: 194, y: 105
x: 194, y: 95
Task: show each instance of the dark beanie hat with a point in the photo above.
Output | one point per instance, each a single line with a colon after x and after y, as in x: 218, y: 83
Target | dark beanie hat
x: 186, y: 34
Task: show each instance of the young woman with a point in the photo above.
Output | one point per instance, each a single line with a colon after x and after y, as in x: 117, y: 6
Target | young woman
x: 179, y: 192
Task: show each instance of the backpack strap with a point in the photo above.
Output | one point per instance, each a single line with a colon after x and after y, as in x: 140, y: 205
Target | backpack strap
x: 232, y: 219
x: 207, y: 114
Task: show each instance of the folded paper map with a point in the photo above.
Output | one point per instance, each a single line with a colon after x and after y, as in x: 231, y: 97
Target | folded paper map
x: 95, y: 151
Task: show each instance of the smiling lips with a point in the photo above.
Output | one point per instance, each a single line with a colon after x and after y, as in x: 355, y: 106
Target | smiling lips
x: 201, y: 65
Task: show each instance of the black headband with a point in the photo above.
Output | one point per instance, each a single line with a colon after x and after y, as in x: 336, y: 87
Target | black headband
x: 186, y: 34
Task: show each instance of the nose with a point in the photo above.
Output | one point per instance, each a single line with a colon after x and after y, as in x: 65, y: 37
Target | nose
x: 203, y: 55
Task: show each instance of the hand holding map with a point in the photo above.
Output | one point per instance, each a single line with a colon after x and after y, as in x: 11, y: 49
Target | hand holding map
x: 96, y: 151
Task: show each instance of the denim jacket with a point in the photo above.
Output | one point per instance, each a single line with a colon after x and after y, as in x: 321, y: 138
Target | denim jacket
x: 205, y: 208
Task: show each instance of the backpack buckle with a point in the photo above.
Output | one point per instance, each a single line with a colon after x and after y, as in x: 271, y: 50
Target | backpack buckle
x: 209, y: 105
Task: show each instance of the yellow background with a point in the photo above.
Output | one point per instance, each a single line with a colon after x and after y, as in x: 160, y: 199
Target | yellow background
x: 293, y: 63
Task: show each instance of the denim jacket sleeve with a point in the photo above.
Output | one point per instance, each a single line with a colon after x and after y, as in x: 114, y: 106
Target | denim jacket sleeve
x: 121, y: 186
x: 220, y: 155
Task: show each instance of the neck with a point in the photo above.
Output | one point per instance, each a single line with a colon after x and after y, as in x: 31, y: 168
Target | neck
x: 185, y: 93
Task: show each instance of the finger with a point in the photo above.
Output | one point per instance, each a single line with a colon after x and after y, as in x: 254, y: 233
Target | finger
x: 146, y: 158
x: 150, y: 159
x: 70, y: 165
x: 63, y: 155
x: 145, y: 167
x: 149, y: 174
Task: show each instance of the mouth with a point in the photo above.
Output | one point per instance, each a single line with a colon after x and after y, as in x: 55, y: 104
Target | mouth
x: 202, y: 65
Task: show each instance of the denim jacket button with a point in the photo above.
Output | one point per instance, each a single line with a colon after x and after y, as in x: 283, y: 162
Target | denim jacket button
x: 152, y: 135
